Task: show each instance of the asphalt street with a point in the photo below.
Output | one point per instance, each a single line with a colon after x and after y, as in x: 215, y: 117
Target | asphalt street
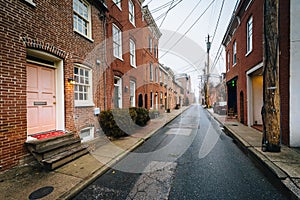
x: 190, y: 158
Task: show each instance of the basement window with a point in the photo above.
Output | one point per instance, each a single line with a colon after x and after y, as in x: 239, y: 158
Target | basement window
x: 87, y: 134
x: 30, y: 2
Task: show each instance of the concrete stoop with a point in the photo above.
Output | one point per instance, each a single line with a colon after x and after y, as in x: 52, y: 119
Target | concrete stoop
x: 57, y: 151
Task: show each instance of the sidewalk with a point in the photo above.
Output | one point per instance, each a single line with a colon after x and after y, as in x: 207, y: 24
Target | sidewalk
x: 285, y: 165
x: 71, y: 178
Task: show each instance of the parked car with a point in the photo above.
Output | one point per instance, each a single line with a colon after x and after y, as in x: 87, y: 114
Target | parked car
x: 220, y: 107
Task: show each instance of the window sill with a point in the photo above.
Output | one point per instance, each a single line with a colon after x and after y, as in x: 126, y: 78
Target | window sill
x: 86, y: 37
x: 234, y: 65
x: 121, y: 59
x: 81, y: 104
x: 248, y: 53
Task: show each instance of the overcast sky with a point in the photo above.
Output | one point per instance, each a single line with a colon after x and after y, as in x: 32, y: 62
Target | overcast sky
x: 184, y: 42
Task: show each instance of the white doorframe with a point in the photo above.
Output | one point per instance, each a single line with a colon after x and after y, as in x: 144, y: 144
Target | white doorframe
x: 250, y: 94
x: 59, y: 78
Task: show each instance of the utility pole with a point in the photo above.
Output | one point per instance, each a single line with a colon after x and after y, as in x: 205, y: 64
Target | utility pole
x: 208, y: 44
x: 271, y: 93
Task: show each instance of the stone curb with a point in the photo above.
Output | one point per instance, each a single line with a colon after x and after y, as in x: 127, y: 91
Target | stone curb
x: 91, y: 178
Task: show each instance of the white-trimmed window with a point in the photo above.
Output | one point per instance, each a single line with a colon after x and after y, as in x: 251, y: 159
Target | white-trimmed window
x: 160, y: 76
x: 156, y: 74
x: 228, y: 61
x: 151, y: 72
x: 234, y: 54
x: 83, y: 86
x: 81, y: 18
x: 132, y: 53
x: 131, y: 12
x: 117, y: 41
x: 150, y: 44
x: 249, y: 35
x: 132, y: 93
x: 118, y: 3
x: 155, y: 51
x: 118, y: 97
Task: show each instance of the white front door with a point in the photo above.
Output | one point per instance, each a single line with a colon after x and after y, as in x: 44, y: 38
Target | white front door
x: 41, y: 105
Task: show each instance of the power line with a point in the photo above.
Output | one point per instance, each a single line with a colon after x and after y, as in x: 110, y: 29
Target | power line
x: 220, y: 13
x: 166, y: 14
x: 182, y: 23
x: 188, y: 29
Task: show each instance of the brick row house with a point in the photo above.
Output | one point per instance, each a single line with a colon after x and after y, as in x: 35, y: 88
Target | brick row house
x: 243, y: 43
x: 64, y: 61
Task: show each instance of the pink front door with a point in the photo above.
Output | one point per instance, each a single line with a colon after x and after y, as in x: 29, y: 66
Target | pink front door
x: 40, y: 99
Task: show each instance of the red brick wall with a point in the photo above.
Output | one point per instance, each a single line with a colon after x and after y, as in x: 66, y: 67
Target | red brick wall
x: 48, y: 24
x: 244, y: 63
x: 140, y: 34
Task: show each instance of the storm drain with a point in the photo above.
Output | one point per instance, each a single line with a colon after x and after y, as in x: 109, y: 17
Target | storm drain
x: 41, y: 192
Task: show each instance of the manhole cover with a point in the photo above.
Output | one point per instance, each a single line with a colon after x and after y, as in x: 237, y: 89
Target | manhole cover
x: 41, y: 192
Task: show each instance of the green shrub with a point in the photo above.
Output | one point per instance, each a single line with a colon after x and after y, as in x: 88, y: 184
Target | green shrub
x: 142, y: 116
x: 121, y: 122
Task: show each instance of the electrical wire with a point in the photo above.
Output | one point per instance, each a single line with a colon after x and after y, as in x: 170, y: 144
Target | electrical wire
x: 182, y: 23
x: 220, y: 13
x: 166, y: 14
x: 187, y: 30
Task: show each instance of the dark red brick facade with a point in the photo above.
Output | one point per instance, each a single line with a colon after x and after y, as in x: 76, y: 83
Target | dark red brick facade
x: 238, y: 72
x: 47, y: 27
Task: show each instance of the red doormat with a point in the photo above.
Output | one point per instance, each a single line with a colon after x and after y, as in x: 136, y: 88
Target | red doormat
x: 49, y: 134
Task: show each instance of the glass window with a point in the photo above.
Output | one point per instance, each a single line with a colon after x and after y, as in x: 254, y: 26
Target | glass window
x: 132, y: 53
x: 151, y: 99
x: 81, y: 18
x: 151, y: 72
x: 150, y: 44
x: 118, y: 3
x: 132, y: 93
x: 249, y: 35
x: 234, y: 53
x: 131, y: 12
x: 228, y: 61
x: 117, y: 41
x: 82, y: 87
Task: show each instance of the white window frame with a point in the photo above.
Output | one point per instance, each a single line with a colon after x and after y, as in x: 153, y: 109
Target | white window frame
x: 83, y: 81
x: 228, y: 61
x: 150, y: 44
x: 131, y: 12
x: 249, y: 35
x: 151, y: 71
x: 132, y: 93
x: 117, y: 41
x: 234, y: 53
x: 132, y: 53
x: 156, y: 75
x: 82, y: 17
x: 118, y: 3
x: 119, y: 84
x: 155, y: 51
